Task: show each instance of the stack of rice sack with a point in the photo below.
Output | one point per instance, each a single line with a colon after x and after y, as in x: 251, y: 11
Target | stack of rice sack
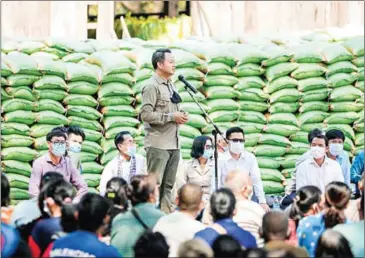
x: 356, y: 47
x: 18, y: 72
x: 341, y: 74
x: 273, y: 143
x: 115, y: 73
x: 219, y: 87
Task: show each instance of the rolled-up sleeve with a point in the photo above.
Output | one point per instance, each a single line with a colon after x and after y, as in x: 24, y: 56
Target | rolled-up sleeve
x: 78, y: 181
x: 257, y: 182
x: 148, y: 112
x: 35, y: 179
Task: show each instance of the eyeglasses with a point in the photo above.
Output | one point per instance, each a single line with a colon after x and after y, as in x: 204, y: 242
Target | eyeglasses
x: 237, y: 140
x: 209, y: 147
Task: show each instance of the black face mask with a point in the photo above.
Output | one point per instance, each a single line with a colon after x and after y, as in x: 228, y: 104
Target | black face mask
x: 175, y: 98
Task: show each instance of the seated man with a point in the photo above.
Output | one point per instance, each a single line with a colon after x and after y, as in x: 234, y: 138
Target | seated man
x: 318, y: 170
x: 357, y: 170
x: 76, y: 137
x: 181, y: 226
x: 248, y: 213
x: 56, y: 161
x: 223, y: 208
x: 126, y: 164
x: 275, y: 231
x: 238, y: 158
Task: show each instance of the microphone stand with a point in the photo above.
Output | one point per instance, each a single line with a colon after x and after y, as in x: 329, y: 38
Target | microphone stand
x: 215, y: 132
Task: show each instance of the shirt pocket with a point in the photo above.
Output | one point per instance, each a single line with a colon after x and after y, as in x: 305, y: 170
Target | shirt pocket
x: 163, y: 103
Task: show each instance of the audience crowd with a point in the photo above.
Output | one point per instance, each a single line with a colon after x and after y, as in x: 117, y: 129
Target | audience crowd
x: 322, y: 212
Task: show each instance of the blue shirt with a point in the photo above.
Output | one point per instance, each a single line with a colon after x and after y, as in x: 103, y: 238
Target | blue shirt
x: 357, y: 168
x: 309, y: 230
x: 244, y: 237
x: 344, y: 161
x: 82, y: 244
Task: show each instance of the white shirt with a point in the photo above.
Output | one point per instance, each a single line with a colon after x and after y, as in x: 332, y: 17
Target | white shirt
x: 177, y: 228
x: 247, y: 161
x: 309, y: 173
x: 111, y: 170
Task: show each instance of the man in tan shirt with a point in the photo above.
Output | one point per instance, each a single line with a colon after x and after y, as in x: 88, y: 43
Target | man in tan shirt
x: 161, y: 115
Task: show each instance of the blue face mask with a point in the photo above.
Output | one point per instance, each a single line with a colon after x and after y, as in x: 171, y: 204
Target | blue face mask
x: 132, y: 151
x: 59, y: 149
x: 207, y: 154
x: 75, y: 147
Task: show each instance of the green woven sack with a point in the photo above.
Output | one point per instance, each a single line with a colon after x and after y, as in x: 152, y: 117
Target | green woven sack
x: 80, y: 100
x: 16, y: 167
x: 49, y: 105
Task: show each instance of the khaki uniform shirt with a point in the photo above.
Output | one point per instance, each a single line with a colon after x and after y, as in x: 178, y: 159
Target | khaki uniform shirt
x: 161, y: 130
x: 193, y: 173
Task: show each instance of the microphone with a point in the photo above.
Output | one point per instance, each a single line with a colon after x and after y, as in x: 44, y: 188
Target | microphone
x: 187, y: 84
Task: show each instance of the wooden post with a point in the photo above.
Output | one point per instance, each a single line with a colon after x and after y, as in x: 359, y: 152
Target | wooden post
x: 173, y: 8
x: 105, y: 26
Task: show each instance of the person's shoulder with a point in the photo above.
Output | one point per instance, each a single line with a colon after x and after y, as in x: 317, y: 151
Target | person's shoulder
x: 333, y: 163
x: 40, y: 159
x: 139, y: 157
x: 249, y: 155
x: 150, y: 84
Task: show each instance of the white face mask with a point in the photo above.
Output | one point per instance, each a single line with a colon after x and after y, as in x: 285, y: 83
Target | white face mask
x: 317, y: 152
x: 236, y: 147
x: 336, y: 149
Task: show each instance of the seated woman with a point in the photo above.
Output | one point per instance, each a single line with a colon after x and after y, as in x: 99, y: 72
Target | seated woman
x: 199, y: 170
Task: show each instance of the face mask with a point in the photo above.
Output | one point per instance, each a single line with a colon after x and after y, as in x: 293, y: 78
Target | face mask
x: 317, y: 152
x: 336, y: 149
x: 59, y: 149
x: 236, y: 147
x: 225, y: 149
x: 207, y: 154
x: 131, y: 151
x: 75, y: 147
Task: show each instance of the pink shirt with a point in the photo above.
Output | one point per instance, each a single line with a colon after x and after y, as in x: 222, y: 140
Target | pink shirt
x: 43, y: 164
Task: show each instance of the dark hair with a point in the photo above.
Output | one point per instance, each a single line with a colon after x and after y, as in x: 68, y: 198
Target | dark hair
x: 234, y: 130
x: 222, y: 204
x: 48, y: 177
x: 199, y: 146
x: 333, y: 244
x: 119, y: 138
x: 337, y: 196
x: 334, y: 134
x: 60, y: 128
x: 68, y: 219
x: 303, y: 202
x: 254, y: 253
x: 151, y: 244
x: 321, y: 137
x: 76, y: 130
x: 159, y: 56
x: 58, y: 190
x: 116, y: 192
x: 282, y: 253
x: 92, y: 209
x: 274, y: 224
x: 55, y: 133
x: 226, y: 246
x: 314, y: 133
x: 140, y: 189
x: 5, y: 191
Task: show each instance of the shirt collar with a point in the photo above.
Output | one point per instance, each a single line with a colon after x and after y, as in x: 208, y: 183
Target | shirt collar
x: 326, y: 160
x: 49, y: 160
x: 161, y: 80
x: 242, y: 156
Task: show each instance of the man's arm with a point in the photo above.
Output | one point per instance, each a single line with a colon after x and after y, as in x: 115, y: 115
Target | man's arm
x: 301, y: 179
x: 105, y: 177
x: 346, y: 172
x: 257, y: 183
x: 357, y: 168
x: 147, y: 113
x: 291, y: 187
x: 35, y: 179
x: 78, y: 181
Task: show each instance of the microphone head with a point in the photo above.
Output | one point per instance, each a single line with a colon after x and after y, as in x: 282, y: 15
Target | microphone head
x: 181, y: 77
